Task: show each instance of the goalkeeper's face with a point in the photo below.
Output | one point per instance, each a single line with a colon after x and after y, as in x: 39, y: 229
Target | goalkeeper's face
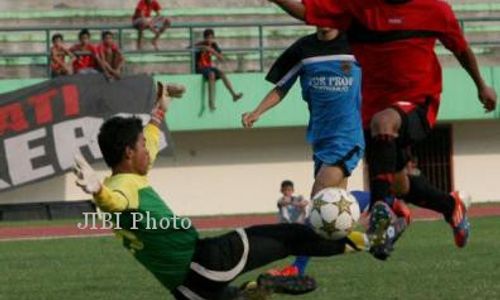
x: 139, y: 156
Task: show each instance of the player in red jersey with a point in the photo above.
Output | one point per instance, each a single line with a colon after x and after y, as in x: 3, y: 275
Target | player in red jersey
x: 394, y: 42
x: 142, y: 20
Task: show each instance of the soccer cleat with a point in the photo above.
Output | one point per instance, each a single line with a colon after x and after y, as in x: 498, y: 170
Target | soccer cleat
x: 292, y: 285
x: 458, y: 220
x: 380, y: 220
x: 393, y: 233
x: 286, y: 271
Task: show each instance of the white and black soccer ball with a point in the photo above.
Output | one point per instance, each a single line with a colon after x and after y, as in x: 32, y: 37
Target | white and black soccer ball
x: 334, y: 213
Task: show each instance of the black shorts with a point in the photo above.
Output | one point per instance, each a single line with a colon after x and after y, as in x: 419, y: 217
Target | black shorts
x: 216, y: 262
x: 415, y: 127
x: 207, y: 71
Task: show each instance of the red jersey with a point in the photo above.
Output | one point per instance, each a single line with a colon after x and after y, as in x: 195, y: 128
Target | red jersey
x: 85, y: 61
x: 204, y: 57
x: 394, y: 44
x: 103, y: 49
x: 57, y: 52
x: 144, y: 10
x: 110, y: 53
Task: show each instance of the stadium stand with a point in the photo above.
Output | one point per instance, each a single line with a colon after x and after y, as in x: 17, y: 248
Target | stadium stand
x: 481, y: 24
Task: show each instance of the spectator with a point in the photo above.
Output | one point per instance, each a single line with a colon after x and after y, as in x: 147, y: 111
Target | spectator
x: 58, y: 54
x: 292, y: 208
x: 142, y: 20
x: 110, y: 55
x: 204, y: 65
x: 87, y: 60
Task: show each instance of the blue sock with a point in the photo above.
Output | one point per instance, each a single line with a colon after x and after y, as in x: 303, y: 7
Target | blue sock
x: 301, y: 263
x: 364, y: 199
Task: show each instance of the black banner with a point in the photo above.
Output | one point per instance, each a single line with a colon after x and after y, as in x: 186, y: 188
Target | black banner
x: 43, y: 126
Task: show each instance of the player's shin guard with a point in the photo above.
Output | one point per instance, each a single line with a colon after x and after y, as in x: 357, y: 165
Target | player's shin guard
x: 423, y: 194
x: 382, y: 167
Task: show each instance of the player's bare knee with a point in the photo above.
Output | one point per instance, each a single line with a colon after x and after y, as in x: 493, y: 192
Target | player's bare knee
x: 329, y: 176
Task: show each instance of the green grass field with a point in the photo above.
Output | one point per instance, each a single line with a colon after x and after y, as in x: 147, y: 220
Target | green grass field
x: 426, y: 266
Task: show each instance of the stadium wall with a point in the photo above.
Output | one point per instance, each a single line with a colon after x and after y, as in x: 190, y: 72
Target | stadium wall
x: 220, y: 170
x: 476, y: 159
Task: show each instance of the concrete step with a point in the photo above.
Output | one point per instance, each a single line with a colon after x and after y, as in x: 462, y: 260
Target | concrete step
x: 164, y: 44
x: 121, y: 4
x: 181, y: 65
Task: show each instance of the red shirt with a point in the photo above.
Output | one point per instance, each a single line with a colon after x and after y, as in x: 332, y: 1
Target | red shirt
x: 144, y: 10
x: 57, y: 52
x: 102, y: 49
x: 110, y: 53
x: 84, y: 61
x: 204, y: 57
x: 394, y: 45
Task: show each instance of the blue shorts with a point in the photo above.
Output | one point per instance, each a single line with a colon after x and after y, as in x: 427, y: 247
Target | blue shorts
x: 206, y: 72
x: 331, y: 153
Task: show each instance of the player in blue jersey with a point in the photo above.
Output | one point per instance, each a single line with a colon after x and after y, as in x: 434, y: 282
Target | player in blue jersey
x: 330, y: 79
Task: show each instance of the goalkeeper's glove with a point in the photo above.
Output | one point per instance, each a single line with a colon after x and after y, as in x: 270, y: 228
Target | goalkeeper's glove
x: 163, y: 100
x: 86, y: 177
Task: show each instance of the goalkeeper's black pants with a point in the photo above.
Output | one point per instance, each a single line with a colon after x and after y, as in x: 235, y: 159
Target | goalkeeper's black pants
x: 218, y: 261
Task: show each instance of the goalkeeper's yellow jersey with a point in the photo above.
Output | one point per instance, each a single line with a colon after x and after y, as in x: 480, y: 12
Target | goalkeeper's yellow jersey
x: 166, y: 252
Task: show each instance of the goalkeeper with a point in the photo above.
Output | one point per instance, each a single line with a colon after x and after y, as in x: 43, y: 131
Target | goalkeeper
x: 188, y: 266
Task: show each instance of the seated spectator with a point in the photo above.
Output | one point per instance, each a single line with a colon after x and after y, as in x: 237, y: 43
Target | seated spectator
x: 204, y: 65
x: 58, y: 54
x: 110, y: 55
x: 292, y: 208
x: 86, y: 60
x: 142, y: 20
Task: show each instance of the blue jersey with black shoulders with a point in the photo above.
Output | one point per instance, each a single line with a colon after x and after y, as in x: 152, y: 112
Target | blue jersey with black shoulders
x: 330, y: 78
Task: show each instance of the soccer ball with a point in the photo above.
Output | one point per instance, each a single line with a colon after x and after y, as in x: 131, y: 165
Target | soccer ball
x: 334, y: 213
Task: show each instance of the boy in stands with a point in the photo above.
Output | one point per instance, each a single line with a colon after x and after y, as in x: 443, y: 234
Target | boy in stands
x: 87, y: 60
x: 394, y: 42
x: 110, y: 55
x: 142, y: 20
x: 204, y: 65
x: 58, y: 54
x: 188, y: 266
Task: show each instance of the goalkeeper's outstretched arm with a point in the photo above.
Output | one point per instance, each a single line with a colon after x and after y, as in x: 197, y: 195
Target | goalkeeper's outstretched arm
x: 88, y: 180
x: 164, y: 95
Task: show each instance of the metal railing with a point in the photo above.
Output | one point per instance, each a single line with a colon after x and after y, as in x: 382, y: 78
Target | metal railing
x: 191, y: 27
